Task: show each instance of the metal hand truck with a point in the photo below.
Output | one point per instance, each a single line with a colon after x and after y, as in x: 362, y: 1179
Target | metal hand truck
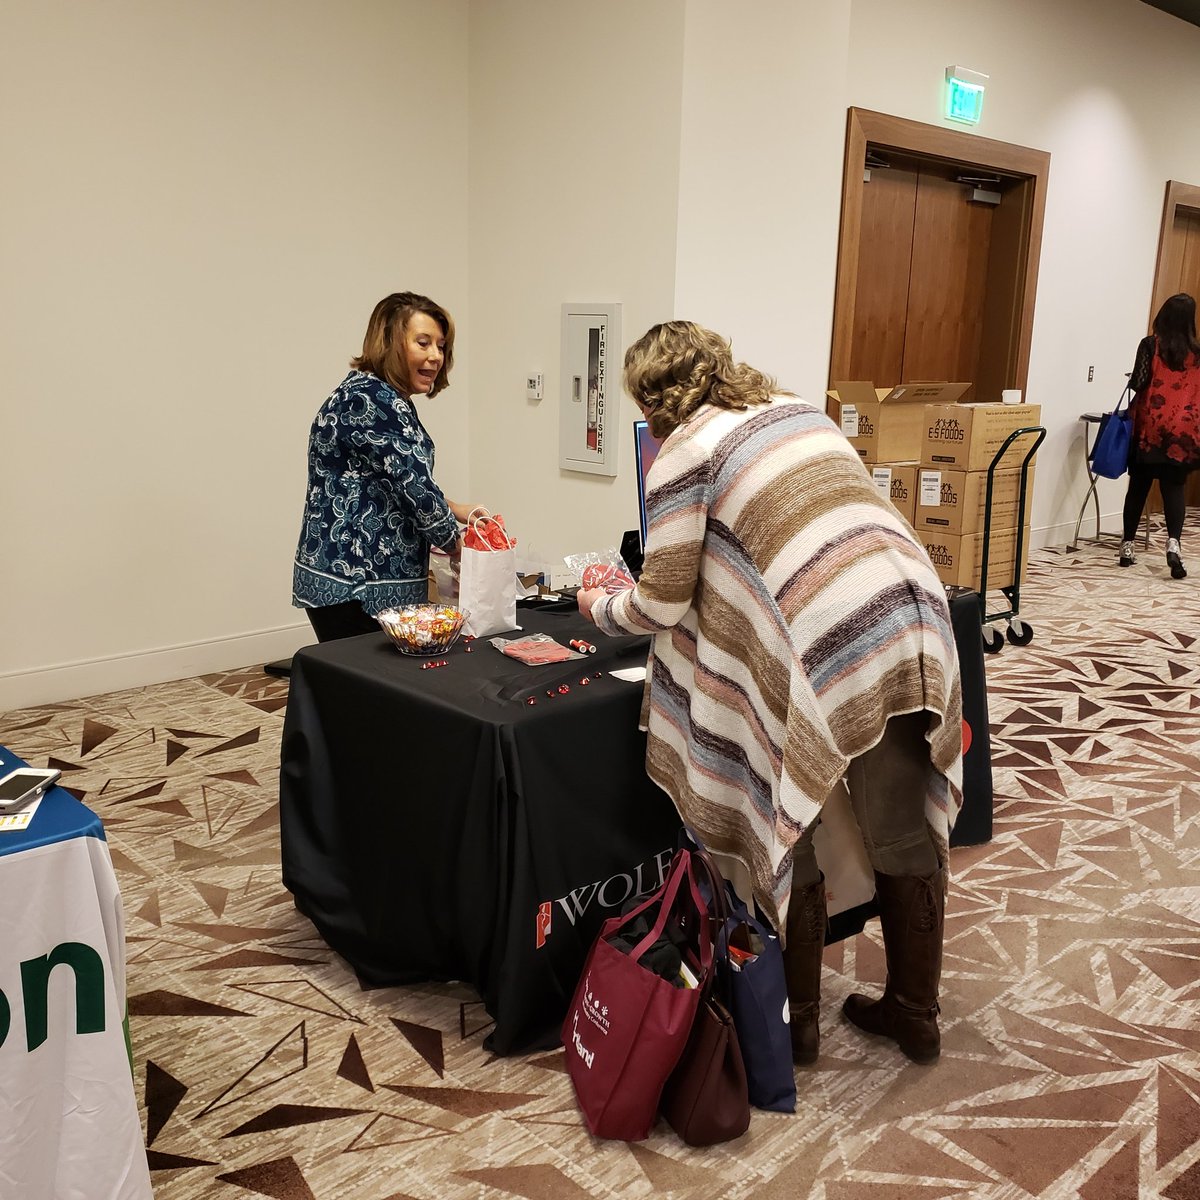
x: 1018, y: 632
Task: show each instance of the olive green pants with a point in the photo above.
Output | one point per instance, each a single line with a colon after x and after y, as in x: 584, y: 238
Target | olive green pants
x: 888, y: 785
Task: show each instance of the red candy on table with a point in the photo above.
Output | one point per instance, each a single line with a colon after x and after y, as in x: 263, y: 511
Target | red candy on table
x: 605, y: 575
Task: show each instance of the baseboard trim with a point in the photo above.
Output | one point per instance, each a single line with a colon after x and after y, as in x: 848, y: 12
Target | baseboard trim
x: 1061, y: 533
x: 91, y: 677
x: 114, y: 673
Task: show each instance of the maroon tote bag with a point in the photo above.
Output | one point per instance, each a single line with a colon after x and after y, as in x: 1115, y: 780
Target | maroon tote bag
x: 627, y: 1027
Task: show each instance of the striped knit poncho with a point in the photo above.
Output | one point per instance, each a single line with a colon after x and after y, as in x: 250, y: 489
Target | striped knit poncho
x: 794, y: 613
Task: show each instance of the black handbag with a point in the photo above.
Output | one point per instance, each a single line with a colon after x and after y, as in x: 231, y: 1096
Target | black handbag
x: 706, y: 1098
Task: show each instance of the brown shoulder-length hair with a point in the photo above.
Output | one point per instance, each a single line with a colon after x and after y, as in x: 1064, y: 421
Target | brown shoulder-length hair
x: 383, y: 345
x: 1175, y: 328
x: 675, y: 367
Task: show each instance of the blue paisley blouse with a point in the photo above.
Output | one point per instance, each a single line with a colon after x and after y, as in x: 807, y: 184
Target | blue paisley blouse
x: 373, y: 509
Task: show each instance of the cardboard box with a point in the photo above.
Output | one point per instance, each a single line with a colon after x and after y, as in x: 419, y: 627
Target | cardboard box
x: 958, y: 558
x: 954, y: 501
x: 898, y: 482
x: 966, y: 437
x: 886, y: 425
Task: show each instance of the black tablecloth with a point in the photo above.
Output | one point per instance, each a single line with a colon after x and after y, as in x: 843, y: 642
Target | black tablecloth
x: 975, y: 821
x: 436, y: 826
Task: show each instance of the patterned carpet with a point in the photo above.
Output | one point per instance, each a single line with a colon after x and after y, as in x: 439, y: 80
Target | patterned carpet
x: 1071, y: 1060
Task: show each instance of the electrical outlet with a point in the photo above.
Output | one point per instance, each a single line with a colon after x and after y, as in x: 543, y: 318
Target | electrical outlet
x: 1091, y: 374
x: 533, y: 386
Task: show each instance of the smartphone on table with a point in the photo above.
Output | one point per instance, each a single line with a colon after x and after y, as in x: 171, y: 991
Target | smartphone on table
x: 22, y: 787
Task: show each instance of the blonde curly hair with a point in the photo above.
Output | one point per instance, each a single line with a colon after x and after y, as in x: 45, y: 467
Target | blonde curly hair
x: 676, y: 366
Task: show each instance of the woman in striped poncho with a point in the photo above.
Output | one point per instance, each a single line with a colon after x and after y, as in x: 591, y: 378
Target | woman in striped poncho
x: 801, y: 638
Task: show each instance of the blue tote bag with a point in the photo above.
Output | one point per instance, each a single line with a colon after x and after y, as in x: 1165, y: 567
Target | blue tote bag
x: 758, y: 997
x: 749, y: 965
x: 1110, y: 454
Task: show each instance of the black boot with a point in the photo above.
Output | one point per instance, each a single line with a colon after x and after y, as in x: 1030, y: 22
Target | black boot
x: 912, y: 912
x: 806, y: 922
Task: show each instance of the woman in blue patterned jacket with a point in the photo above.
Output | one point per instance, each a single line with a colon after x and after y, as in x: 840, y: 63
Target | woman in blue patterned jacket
x: 373, y: 510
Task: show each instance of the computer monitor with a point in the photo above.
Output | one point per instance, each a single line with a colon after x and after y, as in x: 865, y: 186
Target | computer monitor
x: 645, y: 451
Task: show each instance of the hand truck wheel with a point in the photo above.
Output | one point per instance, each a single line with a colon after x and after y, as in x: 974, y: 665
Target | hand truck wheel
x: 1019, y: 633
x: 993, y: 643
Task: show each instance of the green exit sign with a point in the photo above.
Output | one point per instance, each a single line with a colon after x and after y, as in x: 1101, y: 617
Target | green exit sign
x: 964, y: 95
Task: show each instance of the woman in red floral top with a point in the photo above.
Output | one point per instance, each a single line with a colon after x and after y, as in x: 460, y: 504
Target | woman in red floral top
x: 1166, y: 424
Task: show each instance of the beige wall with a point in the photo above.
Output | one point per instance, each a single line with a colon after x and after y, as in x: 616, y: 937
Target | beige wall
x: 1104, y: 86
x: 204, y: 201
x: 760, y: 180
x: 575, y: 112
x: 760, y: 144
x: 1100, y: 84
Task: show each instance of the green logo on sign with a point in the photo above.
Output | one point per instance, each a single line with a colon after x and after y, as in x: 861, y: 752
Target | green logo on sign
x: 35, y: 992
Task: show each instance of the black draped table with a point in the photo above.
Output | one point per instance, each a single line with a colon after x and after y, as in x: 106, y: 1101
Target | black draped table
x: 435, y: 825
x: 974, y: 823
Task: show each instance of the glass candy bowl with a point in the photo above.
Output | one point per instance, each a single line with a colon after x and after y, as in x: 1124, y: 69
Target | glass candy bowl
x: 422, y: 628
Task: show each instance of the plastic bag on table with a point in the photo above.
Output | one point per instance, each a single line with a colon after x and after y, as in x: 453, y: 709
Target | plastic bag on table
x: 601, y: 569
x: 535, y: 649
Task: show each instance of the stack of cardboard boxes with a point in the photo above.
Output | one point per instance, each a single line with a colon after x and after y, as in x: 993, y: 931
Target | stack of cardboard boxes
x: 930, y: 456
x: 886, y: 426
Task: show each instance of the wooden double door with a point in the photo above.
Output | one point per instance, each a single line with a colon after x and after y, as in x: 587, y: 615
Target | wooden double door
x: 1178, y: 268
x: 937, y: 260
x: 925, y: 264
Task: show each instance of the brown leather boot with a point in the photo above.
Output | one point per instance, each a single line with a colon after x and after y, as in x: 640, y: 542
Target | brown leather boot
x: 806, y: 922
x: 912, y: 912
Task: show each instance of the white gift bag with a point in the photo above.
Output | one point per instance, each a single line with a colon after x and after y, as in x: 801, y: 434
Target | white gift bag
x: 487, y: 585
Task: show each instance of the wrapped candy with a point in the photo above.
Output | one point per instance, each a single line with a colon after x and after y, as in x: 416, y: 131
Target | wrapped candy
x: 422, y: 628
x: 603, y: 569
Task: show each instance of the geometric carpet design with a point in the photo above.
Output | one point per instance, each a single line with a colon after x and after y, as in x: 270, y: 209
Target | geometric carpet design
x: 1070, y: 996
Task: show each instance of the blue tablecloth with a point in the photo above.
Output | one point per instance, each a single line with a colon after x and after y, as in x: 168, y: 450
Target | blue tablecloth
x: 71, y: 1124
x: 59, y: 816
